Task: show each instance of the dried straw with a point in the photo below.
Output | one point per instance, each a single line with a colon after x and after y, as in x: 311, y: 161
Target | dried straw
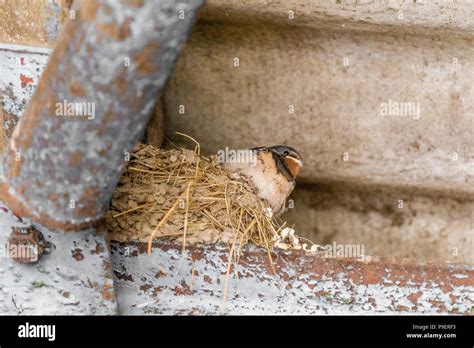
x: 180, y: 194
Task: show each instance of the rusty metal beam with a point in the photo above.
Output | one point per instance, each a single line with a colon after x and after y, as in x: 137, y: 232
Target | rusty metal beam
x: 167, y: 282
x: 92, y: 103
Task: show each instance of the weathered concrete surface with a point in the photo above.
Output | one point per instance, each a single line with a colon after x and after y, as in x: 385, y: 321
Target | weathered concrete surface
x: 168, y: 282
x: 385, y: 16
x: 75, y: 278
x: 155, y: 131
x: 337, y: 65
x: 337, y: 123
x: 36, y: 22
x: 388, y: 223
x: 112, y: 59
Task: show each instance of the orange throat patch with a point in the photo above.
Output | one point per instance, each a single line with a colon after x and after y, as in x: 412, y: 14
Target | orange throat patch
x: 293, y: 166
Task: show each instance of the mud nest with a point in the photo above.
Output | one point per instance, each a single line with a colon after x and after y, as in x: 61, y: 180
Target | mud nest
x: 179, y: 194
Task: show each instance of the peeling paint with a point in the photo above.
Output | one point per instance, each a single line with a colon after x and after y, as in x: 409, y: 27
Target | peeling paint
x: 57, y: 284
x: 20, y: 69
x: 304, y: 284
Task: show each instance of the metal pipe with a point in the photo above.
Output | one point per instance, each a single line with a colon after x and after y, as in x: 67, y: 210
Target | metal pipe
x: 92, y: 103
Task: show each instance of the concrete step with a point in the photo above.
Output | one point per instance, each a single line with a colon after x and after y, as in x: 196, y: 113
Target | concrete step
x: 386, y: 222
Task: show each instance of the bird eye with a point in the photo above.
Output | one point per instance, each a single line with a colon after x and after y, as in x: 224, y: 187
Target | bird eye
x: 286, y: 153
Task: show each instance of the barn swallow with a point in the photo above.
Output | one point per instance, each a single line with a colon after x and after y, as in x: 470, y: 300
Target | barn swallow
x: 273, y: 173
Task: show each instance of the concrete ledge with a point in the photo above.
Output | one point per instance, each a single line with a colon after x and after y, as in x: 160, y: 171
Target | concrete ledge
x: 168, y: 282
x: 384, y: 16
x: 394, y: 223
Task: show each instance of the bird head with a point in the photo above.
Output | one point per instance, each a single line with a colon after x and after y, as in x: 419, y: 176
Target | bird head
x: 289, y: 157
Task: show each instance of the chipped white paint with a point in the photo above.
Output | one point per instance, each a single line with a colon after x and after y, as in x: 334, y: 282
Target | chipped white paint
x: 162, y: 283
x: 20, y: 69
x: 57, y: 284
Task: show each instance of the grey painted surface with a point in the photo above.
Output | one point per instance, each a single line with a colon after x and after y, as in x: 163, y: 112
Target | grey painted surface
x: 19, y: 63
x: 61, y: 283
x: 169, y: 282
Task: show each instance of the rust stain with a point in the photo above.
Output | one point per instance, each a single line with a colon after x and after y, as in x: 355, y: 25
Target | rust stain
x: 76, y: 89
x: 135, y: 3
x: 146, y: 59
x: 102, y: 128
x: 80, y: 40
x: 108, y: 293
x: 122, y: 87
x: 373, y: 276
x: 438, y: 304
x: 402, y: 308
x: 322, y: 293
x: 446, y: 287
x: 414, y: 297
x: 14, y: 165
x: 10, y: 119
x: 145, y: 287
x: 159, y: 274
x: 107, y: 9
x: 25, y: 80
x: 66, y: 294
x: 77, y: 254
x: 386, y: 271
x: 183, y: 289
x: 75, y: 158
x: 21, y: 209
x: 372, y: 302
x: 93, y: 285
x: 156, y: 290
x: 115, y: 31
x: 98, y: 248
x: 87, y: 202
x: 124, y: 276
x: 88, y: 10
x: 106, y: 265
x: 207, y: 279
x: 54, y: 197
